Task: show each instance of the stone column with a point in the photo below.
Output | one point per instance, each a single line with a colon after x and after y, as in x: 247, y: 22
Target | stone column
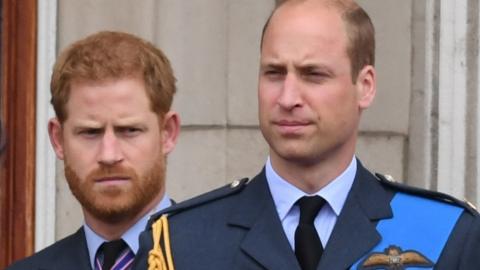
x: 45, y: 207
x: 443, y: 150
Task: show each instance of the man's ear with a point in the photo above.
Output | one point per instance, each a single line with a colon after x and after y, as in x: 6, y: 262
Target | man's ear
x: 170, y: 131
x: 56, y: 137
x: 366, y: 86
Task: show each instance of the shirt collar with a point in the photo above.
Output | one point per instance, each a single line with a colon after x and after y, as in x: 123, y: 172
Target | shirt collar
x: 94, y: 241
x: 285, y: 194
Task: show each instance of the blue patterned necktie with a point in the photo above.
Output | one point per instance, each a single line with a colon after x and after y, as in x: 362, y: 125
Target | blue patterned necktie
x: 114, y: 255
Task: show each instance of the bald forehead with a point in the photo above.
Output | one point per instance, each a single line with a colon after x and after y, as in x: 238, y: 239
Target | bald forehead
x: 308, y: 6
x: 338, y: 6
x: 318, y: 12
x: 341, y: 5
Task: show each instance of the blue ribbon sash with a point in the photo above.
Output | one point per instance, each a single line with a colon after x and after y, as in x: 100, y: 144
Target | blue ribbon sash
x: 419, y: 230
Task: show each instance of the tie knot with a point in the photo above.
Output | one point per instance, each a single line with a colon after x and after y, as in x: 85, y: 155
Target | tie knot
x: 309, y: 208
x: 111, y: 251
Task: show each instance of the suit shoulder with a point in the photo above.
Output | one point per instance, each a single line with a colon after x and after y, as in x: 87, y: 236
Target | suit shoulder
x: 36, y: 259
x: 204, y: 199
x: 43, y: 256
x: 388, y: 181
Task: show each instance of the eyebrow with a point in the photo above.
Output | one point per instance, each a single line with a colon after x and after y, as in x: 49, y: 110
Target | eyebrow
x: 116, y: 127
x: 129, y: 125
x: 272, y: 65
x: 318, y: 67
x: 300, y: 67
x: 86, y: 124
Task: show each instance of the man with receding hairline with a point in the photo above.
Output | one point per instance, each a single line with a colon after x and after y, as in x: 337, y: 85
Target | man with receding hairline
x: 314, y: 206
x: 112, y: 94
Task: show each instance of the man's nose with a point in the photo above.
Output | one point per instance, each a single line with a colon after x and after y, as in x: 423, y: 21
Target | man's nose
x: 110, y: 151
x: 290, y: 96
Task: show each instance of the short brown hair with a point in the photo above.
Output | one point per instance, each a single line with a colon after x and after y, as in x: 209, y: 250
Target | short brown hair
x: 359, y: 28
x: 113, y: 55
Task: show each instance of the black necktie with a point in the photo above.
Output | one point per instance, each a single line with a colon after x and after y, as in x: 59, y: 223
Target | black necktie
x: 111, y: 250
x: 308, y: 247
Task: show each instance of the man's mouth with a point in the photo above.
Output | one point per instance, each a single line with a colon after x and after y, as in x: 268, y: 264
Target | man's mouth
x: 112, y: 180
x: 291, y: 126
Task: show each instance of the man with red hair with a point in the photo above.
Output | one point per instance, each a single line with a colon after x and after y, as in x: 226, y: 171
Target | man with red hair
x: 112, y: 94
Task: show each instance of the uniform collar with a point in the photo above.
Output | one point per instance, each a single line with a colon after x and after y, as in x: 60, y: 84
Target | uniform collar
x: 130, y: 236
x: 285, y: 194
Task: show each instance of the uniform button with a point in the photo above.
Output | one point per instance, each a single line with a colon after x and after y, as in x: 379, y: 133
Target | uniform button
x: 471, y: 204
x: 234, y: 184
x: 390, y: 178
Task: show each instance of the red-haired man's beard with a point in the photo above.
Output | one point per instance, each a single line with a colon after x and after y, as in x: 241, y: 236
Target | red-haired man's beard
x: 116, y: 202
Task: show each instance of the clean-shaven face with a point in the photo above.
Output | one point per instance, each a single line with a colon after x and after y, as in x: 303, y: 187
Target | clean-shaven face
x: 308, y: 105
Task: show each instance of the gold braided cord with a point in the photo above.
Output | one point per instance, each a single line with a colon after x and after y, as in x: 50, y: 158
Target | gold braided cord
x: 156, y: 258
x: 166, y: 242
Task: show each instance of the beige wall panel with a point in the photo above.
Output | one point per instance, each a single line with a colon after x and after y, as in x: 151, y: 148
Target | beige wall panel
x: 246, y: 20
x: 246, y: 153
x: 69, y: 213
x: 197, y: 164
x: 392, y: 20
x: 77, y: 19
x: 194, y: 36
x: 382, y: 154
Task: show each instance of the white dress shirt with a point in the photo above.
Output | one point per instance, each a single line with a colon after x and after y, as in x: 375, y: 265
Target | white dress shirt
x: 94, y: 241
x: 285, y: 195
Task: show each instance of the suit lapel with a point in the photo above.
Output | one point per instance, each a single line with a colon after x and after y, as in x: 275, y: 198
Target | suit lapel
x: 351, y: 238
x: 73, y: 256
x: 355, y: 232
x: 265, y: 240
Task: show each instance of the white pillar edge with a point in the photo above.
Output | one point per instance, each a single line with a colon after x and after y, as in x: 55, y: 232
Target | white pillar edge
x: 452, y: 97
x: 478, y: 117
x: 45, y: 157
x: 428, y: 87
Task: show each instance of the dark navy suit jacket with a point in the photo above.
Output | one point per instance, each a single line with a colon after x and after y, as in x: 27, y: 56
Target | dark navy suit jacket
x: 239, y: 228
x: 69, y: 253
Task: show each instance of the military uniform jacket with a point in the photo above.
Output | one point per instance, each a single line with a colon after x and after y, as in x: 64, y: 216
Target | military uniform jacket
x: 69, y: 253
x: 237, y: 227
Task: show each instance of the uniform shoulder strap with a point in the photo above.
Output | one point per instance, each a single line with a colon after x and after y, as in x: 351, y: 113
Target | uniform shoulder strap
x: 389, y: 181
x: 160, y: 257
x: 214, y: 195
